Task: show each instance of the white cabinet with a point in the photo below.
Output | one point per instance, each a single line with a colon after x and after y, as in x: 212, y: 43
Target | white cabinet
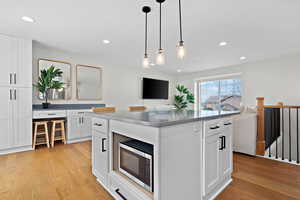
x: 217, y: 154
x: 79, y: 126
x: 226, y: 153
x: 16, y: 62
x: 15, y: 94
x: 212, y: 163
x: 15, y: 120
x: 100, y: 156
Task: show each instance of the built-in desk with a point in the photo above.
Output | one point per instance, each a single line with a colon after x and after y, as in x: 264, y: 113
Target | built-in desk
x: 78, y: 124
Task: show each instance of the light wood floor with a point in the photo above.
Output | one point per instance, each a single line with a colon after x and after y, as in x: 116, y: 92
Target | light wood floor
x: 65, y: 173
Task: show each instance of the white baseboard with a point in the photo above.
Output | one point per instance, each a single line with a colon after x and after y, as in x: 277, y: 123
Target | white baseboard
x: 220, y: 190
x: 279, y: 159
x: 16, y: 150
x: 79, y: 140
x: 106, y: 188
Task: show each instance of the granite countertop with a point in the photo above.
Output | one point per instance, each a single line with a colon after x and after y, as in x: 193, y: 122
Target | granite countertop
x: 163, y: 118
x: 38, y: 107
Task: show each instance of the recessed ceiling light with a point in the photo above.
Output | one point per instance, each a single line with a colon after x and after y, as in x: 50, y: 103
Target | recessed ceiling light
x: 178, y: 70
x: 222, y: 44
x: 242, y: 58
x: 106, y: 41
x: 27, y: 19
x: 152, y: 64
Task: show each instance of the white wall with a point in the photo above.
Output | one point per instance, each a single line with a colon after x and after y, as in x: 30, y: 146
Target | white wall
x: 278, y: 79
x: 121, y: 85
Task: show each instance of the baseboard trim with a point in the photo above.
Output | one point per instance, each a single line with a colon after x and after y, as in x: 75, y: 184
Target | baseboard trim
x: 16, y: 150
x: 218, y: 190
x: 79, y: 140
x: 106, y: 188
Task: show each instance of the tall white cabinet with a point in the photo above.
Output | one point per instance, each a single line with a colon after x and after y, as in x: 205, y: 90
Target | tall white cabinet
x: 15, y: 94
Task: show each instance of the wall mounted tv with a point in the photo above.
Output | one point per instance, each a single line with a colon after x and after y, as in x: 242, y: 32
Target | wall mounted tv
x: 155, y: 89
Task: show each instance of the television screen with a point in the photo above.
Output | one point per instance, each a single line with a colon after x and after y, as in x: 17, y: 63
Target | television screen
x: 155, y: 89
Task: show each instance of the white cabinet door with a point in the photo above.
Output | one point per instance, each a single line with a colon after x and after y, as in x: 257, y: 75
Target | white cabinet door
x: 226, y: 153
x: 86, y: 126
x: 6, y: 133
x: 23, y: 69
x: 100, y: 154
x: 212, y: 163
x: 6, y: 47
x: 22, y: 117
x: 74, y: 127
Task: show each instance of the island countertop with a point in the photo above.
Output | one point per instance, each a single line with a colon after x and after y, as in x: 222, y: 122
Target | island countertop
x: 162, y: 118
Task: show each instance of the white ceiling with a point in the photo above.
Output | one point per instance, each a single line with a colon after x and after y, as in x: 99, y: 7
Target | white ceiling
x: 257, y: 29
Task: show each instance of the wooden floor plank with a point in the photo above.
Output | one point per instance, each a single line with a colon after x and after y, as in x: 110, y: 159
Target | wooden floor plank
x: 64, y: 173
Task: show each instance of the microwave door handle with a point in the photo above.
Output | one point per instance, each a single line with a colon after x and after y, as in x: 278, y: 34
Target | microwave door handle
x: 121, y: 195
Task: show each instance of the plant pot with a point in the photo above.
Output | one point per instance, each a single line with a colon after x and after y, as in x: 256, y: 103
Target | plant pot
x: 46, y: 105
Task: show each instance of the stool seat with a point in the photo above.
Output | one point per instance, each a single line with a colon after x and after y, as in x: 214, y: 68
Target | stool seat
x: 55, y: 129
x: 43, y: 131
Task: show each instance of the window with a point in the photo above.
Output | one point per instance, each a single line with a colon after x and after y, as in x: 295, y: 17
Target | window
x: 220, y: 95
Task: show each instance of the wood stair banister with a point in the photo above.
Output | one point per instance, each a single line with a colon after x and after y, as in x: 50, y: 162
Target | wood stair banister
x: 260, y: 141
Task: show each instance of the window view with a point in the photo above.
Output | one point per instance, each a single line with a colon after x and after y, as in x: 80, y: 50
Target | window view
x: 220, y: 95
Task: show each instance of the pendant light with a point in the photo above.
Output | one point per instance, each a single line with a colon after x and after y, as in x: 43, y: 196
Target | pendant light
x: 160, y: 59
x: 146, y: 10
x: 180, y: 46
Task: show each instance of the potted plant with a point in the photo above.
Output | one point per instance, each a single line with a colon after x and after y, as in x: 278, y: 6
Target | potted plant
x: 47, y: 81
x: 183, y: 98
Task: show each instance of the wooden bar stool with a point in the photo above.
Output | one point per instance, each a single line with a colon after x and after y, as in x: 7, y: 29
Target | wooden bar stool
x: 55, y: 129
x: 38, y: 138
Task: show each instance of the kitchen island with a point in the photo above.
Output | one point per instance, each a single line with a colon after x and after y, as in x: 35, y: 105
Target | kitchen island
x: 162, y: 155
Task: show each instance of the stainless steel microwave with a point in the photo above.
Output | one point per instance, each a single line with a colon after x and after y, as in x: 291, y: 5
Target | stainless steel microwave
x: 136, y: 162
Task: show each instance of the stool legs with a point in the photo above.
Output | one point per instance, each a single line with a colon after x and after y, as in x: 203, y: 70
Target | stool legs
x: 45, y: 133
x: 61, y: 129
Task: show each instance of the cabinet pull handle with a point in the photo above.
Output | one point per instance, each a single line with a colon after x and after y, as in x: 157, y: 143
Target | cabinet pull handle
x: 15, y: 94
x: 82, y: 119
x: 10, y: 94
x: 15, y: 78
x: 96, y: 124
x: 10, y: 78
x: 216, y: 127
x: 221, y: 138
x: 121, y: 195
x: 51, y: 114
x: 103, y: 140
x: 227, y: 124
x: 224, y: 142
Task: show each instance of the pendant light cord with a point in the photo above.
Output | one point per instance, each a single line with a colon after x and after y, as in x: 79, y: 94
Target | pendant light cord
x: 146, y: 35
x: 160, y: 26
x: 180, y: 21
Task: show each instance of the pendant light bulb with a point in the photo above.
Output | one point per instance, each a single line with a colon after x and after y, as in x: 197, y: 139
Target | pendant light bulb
x: 146, y: 63
x: 181, y: 50
x: 160, y: 59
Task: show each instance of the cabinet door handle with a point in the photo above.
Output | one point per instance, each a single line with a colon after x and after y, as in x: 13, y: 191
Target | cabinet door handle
x: 15, y: 78
x: 103, y: 140
x: 10, y: 94
x: 121, y: 195
x: 227, y: 124
x: 221, y: 139
x: 15, y: 94
x: 224, y: 142
x: 51, y: 114
x: 82, y: 119
x: 10, y: 78
x: 96, y: 124
x: 215, y: 127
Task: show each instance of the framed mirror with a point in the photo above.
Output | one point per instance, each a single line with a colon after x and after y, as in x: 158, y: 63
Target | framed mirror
x: 54, y: 94
x: 88, y: 82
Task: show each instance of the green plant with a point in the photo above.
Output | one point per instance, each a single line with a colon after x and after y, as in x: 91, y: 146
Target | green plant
x: 47, y: 81
x: 184, y: 98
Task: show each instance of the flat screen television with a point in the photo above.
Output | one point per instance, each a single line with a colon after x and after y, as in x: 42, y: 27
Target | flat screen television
x: 155, y: 89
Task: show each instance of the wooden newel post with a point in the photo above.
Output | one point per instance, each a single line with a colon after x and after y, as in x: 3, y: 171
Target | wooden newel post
x: 260, y: 142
